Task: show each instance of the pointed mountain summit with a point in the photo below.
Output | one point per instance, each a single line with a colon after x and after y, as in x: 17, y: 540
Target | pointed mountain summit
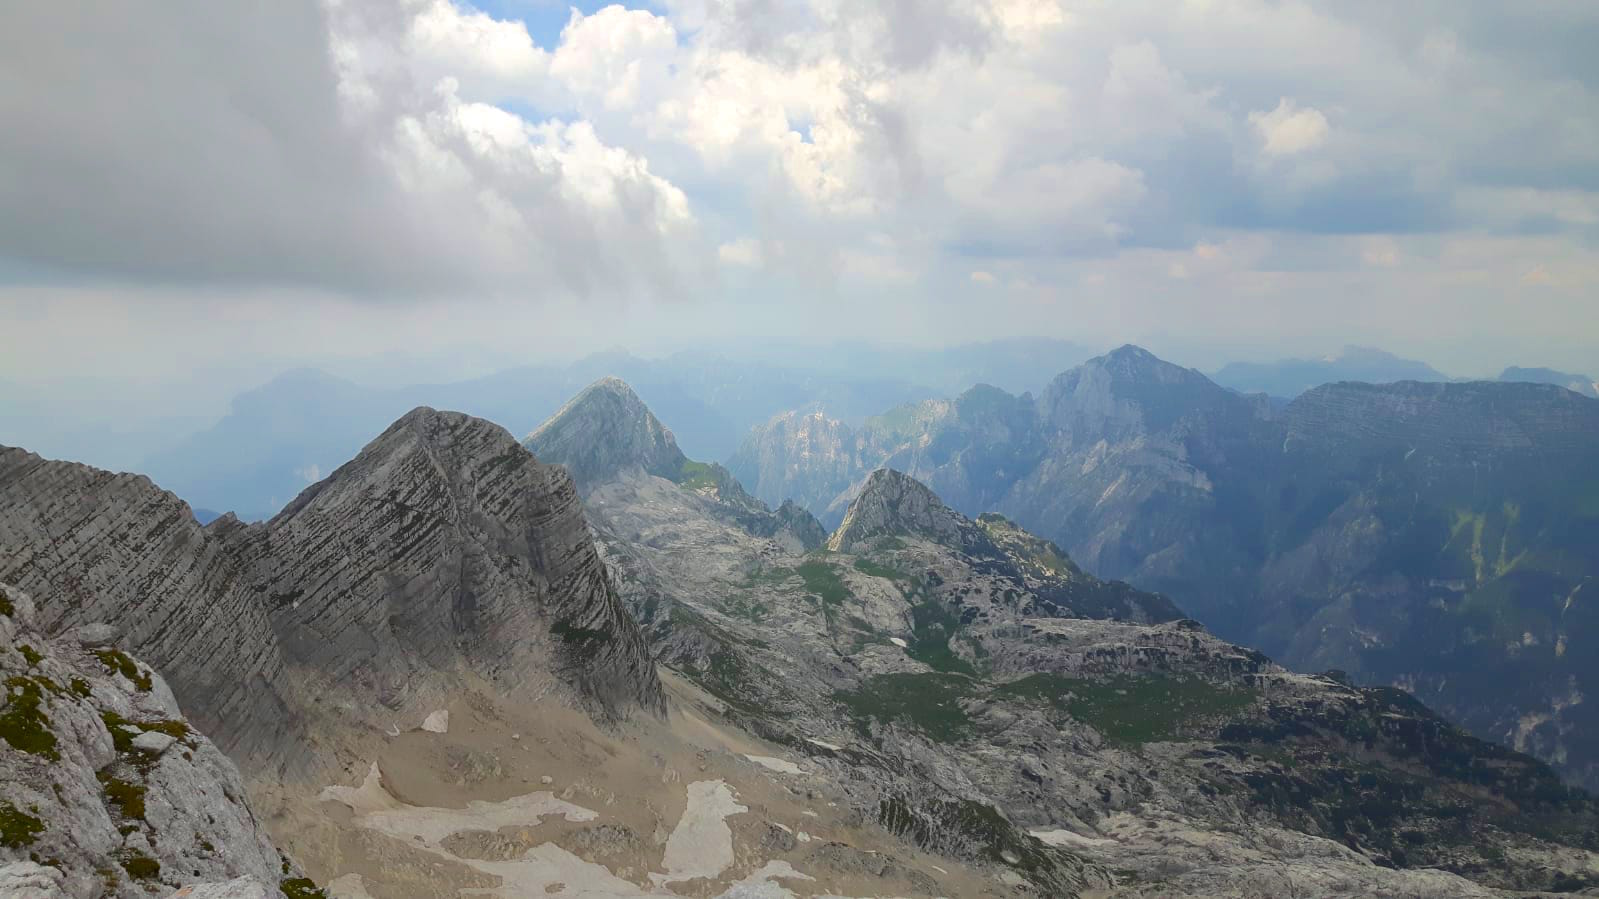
x: 443, y: 554
x: 1131, y: 390
x: 605, y: 430
x: 893, y: 504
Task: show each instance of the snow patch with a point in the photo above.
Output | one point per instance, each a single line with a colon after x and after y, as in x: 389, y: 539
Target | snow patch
x: 702, y: 844
x: 782, y: 766
x: 1067, y: 838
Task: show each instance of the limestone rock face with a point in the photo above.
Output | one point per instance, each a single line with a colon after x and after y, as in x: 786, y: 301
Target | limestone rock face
x: 603, y: 430
x: 98, y: 547
x: 445, y: 543
x: 90, y: 806
x: 607, y: 435
x: 893, y: 504
x: 443, y: 548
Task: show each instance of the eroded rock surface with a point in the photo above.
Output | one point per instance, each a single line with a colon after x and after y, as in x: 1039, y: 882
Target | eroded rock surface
x: 105, y: 788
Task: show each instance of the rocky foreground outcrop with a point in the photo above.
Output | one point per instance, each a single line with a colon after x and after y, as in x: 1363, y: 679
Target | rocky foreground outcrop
x: 444, y: 550
x: 105, y: 788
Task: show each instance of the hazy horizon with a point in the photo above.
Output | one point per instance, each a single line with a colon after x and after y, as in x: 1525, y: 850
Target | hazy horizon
x: 195, y: 199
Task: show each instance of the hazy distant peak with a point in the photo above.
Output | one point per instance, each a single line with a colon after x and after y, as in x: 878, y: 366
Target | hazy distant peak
x: 892, y: 503
x: 1582, y: 384
x: 603, y: 431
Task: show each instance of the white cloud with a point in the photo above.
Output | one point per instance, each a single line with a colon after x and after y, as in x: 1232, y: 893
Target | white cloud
x: 744, y: 252
x: 425, y: 150
x: 982, y: 277
x: 1288, y: 130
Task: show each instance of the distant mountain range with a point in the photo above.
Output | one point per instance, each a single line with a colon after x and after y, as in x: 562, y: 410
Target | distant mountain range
x: 1438, y: 536
x: 287, y: 434
x: 1288, y: 378
x: 465, y: 664
x: 1582, y: 384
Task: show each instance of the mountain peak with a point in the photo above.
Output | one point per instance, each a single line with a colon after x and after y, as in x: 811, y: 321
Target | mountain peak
x: 604, y: 430
x: 892, y: 503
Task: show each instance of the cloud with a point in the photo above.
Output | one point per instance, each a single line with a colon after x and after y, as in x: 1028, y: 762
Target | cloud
x: 752, y: 154
x: 745, y: 252
x: 981, y: 277
x: 297, y: 144
x: 1287, y: 130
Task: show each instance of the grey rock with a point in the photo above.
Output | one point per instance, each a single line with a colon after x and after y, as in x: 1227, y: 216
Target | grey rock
x: 99, y: 812
x: 603, y: 430
x: 239, y: 888
x: 153, y: 742
x: 27, y: 880
x: 443, y: 547
x: 97, y: 634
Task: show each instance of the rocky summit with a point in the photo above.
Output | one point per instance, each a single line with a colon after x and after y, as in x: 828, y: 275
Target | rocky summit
x: 443, y: 550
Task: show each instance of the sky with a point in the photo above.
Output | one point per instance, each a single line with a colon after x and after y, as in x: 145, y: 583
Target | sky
x: 195, y: 195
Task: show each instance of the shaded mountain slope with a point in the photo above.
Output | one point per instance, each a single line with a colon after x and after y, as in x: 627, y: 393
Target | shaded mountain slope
x: 443, y: 549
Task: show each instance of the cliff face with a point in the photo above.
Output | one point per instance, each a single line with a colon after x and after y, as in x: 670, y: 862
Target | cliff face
x: 102, y: 547
x: 806, y: 457
x: 444, y: 547
x: 442, y: 543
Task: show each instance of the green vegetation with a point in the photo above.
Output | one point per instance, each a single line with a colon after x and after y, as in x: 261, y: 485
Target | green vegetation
x: 6, y: 608
x: 33, y: 656
x: 930, y: 702
x: 822, y: 581
x: 23, y: 723
x: 301, y: 888
x: 933, y: 626
x: 118, y: 663
x: 696, y: 475
x: 127, y: 797
x: 1134, y: 710
x: 81, y: 687
x: 18, y: 828
x: 140, y: 866
x: 769, y: 576
x: 873, y: 569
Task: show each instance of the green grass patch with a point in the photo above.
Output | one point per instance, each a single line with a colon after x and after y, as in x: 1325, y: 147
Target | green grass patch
x: 18, y: 828
x: 6, y: 608
x: 822, y: 581
x: 33, y: 656
x: 23, y: 723
x: 696, y: 475
x: 1134, y: 710
x: 81, y: 687
x: 873, y: 569
x: 930, y: 702
x: 128, y: 797
x: 933, y: 626
x: 768, y: 577
x: 301, y: 888
x: 119, y: 663
x: 140, y: 866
